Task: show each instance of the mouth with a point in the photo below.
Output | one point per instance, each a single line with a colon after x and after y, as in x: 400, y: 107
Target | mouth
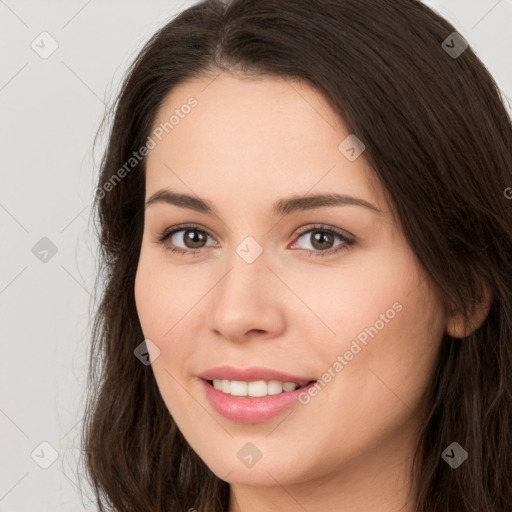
x: 254, y: 401
x: 257, y: 388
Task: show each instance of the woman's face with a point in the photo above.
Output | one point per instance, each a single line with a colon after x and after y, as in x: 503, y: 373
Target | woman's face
x: 280, y: 281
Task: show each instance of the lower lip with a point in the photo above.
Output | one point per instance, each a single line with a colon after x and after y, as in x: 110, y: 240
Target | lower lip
x: 244, y: 409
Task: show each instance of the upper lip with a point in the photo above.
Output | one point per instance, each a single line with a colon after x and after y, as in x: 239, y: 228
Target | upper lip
x: 252, y: 374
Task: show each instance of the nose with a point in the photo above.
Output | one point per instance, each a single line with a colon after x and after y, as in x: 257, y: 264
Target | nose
x: 247, y: 302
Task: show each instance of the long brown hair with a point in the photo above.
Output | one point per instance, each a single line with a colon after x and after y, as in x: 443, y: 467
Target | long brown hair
x: 438, y: 137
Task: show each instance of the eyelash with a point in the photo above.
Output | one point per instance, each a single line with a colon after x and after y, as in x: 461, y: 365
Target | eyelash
x: 347, y: 242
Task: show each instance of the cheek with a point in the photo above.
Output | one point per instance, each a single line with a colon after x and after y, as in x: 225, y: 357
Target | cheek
x: 167, y: 306
x: 357, y: 300
x: 388, y: 355
x: 386, y: 363
x: 163, y: 295
x: 149, y: 300
x: 156, y: 302
x: 387, y: 326
x: 160, y: 308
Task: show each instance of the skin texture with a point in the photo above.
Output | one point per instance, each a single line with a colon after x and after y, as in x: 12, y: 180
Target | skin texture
x: 246, y: 144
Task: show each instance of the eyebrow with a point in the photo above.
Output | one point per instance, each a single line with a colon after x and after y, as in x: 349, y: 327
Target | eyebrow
x: 280, y: 208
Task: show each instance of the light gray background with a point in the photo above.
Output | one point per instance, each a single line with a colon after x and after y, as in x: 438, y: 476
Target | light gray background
x: 51, y: 109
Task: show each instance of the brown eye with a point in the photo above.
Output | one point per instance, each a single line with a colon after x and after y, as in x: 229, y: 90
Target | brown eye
x: 322, y: 241
x: 185, y: 239
x: 193, y: 238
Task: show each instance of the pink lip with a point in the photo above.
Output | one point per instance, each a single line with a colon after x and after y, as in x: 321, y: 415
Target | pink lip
x: 244, y: 409
x: 252, y: 374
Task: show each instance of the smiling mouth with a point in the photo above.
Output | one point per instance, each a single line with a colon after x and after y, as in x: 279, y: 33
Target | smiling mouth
x: 255, y: 389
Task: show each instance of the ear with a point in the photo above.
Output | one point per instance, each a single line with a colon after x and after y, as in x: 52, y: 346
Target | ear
x: 456, y: 324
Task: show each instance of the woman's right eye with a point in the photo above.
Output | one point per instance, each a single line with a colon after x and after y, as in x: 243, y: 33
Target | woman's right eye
x: 192, y: 237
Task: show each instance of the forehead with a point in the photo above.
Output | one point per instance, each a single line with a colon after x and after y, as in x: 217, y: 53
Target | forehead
x: 253, y: 136
x: 242, y: 106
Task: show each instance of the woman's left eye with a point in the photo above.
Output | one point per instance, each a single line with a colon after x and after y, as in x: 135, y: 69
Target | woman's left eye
x: 320, y: 236
x: 194, y: 239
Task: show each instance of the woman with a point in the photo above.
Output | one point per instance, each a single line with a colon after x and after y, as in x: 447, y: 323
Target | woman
x: 306, y: 243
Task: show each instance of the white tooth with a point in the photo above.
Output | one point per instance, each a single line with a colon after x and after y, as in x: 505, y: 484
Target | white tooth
x: 274, y: 387
x: 238, y: 388
x: 289, y: 386
x: 226, y: 386
x: 257, y: 388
